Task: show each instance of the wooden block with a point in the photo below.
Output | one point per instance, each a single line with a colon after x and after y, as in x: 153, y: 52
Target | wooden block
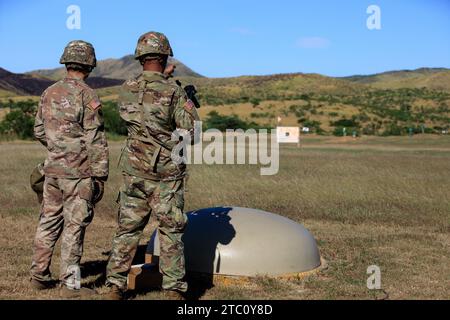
x: 151, y: 259
x: 152, y: 251
x: 144, y: 276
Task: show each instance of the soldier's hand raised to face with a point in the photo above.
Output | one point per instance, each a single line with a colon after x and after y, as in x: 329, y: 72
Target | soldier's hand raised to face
x: 170, y: 69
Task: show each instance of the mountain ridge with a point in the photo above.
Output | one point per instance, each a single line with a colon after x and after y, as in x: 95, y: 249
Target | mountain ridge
x: 123, y: 68
x: 34, y: 84
x: 112, y: 72
x: 431, y: 78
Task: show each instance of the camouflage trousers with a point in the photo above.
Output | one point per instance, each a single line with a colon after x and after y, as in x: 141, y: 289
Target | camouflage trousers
x: 138, y: 199
x: 66, y: 209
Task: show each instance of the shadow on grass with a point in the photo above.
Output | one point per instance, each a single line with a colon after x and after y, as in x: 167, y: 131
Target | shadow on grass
x: 206, y: 229
x: 198, y: 284
x: 94, y: 268
x: 98, y: 267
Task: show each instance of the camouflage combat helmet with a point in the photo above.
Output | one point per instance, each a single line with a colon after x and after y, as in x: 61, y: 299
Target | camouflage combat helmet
x: 153, y: 43
x: 79, y: 51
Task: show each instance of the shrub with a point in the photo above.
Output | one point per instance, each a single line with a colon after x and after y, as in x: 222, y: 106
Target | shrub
x: 348, y: 123
x: 18, y: 123
x: 261, y: 115
x: 312, y: 124
x: 393, y: 130
x: 222, y: 122
x: 113, y: 122
x: 255, y: 102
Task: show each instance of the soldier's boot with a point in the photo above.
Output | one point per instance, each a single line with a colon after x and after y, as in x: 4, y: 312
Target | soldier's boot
x: 115, y: 293
x: 41, y: 285
x: 82, y: 293
x: 174, y: 295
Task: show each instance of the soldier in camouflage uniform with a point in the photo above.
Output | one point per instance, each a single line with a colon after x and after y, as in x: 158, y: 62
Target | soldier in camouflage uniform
x: 153, y: 107
x: 69, y: 123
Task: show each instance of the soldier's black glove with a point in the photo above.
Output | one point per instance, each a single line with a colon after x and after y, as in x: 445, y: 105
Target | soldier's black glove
x: 99, y: 189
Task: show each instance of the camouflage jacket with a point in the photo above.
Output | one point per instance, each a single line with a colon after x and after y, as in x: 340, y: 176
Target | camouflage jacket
x: 153, y: 107
x: 69, y: 122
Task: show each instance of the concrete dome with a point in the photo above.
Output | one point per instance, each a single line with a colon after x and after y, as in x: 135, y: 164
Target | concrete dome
x: 246, y: 242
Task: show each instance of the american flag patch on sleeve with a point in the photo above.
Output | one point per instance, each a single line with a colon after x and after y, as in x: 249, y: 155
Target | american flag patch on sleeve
x: 188, y: 105
x: 94, y: 104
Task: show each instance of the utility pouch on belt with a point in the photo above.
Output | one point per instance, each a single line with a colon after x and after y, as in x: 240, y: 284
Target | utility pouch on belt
x: 37, y: 178
x: 98, y: 190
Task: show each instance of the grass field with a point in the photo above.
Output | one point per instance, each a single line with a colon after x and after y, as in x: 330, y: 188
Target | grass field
x: 369, y: 201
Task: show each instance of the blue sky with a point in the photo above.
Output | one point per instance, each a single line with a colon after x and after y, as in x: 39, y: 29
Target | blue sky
x: 219, y: 38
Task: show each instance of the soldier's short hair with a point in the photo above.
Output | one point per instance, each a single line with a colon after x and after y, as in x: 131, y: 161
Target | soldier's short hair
x: 78, y: 67
x: 161, y: 58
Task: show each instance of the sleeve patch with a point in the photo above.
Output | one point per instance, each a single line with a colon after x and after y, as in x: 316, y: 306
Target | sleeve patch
x: 188, y: 105
x: 94, y: 104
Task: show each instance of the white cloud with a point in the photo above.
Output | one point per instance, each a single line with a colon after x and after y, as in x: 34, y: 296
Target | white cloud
x: 313, y: 43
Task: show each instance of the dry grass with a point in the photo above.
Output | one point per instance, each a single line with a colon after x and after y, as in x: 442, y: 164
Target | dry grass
x: 382, y: 201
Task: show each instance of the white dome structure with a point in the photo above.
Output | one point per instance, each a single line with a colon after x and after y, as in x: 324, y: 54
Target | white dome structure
x: 234, y: 241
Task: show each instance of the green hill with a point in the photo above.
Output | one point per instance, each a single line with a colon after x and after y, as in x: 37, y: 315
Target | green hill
x: 390, y: 103
x: 219, y: 91
x: 431, y: 78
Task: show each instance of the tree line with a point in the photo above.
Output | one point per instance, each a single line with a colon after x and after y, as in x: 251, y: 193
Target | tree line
x: 381, y: 112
